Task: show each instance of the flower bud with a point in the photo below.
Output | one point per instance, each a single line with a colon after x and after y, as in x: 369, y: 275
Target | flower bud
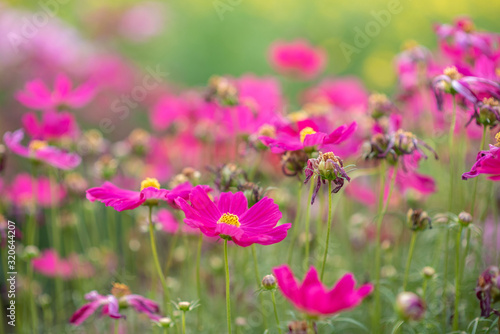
x: 269, y: 282
x: 106, y: 167
x: 464, y: 218
x: 184, y: 306
x: 31, y: 252
x: 410, y: 306
x: 428, y: 272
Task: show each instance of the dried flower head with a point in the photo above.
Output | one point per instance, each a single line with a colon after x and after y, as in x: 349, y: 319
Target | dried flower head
x: 418, y: 220
x: 326, y: 168
x: 488, y: 290
x: 222, y: 90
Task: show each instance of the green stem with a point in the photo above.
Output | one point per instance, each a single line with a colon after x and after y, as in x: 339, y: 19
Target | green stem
x: 276, y: 312
x: 34, y: 313
x: 424, y: 287
x: 329, y: 226
x: 308, y: 219
x: 183, y: 322
x: 451, y: 151
x: 166, y: 297
x: 54, y: 226
x: 117, y: 325
x: 257, y: 279
x: 228, y: 298
x: 476, y: 179
x: 408, y: 261
x: 295, y: 226
x: 457, y: 277
x: 198, y: 277
x: 382, y: 208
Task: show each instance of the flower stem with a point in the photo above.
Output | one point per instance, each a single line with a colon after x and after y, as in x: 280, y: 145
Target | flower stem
x: 294, y: 226
x: 408, y: 261
x: 308, y: 219
x: 117, y: 325
x: 228, y: 298
x: 382, y: 208
x: 329, y: 225
x: 198, y: 277
x: 257, y: 279
x: 166, y: 297
x: 183, y: 322
x: 457, y: 277
x: 276, y: 311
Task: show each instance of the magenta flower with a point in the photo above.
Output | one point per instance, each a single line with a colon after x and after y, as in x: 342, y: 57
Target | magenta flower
x: 24, y: 191
x: 49, y: 264
x: 122, y: 199
x: 306, y: 135
x: 53, y: 125
x: 346, y: 93
x: 37, y: 95
x: 120, y: 298
x: 487, y: 162
x: 297, y: 58
x: 230, y: 218
x: 41, y: 151
x: 170, y: 224
x: 314, y: 299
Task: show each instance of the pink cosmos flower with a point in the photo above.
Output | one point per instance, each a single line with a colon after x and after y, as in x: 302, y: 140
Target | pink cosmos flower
x: 462, y: 43
x: 37, y: 95
x: 305, y: 135
x: 297, y: 58
x: 50, y: 264
x: 345, y: 93
x: 229, y: 217
x: 487, y: 162
x: 41, y: 151
x: 21, y: 191
x: 120, y: 298
x: 122, y: 199
x: 182, y: 191
x: 143, y: 21
x: 53, y: 125
x: 313, y: 298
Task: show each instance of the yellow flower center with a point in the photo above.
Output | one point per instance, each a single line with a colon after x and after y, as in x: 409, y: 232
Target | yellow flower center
x: 230, y: 219
x: 36, y: 145
x: 267, y: 130
x: 468, y: 26
x: 497, y: 72
x: 297, y: 116
x: 452, y: 73
x: 119, y: 290
x: 305, y: 132
x: 150, y: 182
x: 497, y: 137
x: 491, y: 102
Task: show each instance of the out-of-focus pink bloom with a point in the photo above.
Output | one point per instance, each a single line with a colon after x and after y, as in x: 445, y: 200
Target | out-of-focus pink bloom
x: 306, y: 135
x: 38, y: 96
x: 462, y: 43
x: 487, y: 162
x: 53, y: 125
x: 314, y: 299
x: 170, y: 224
x: 415, y: 67
x: 297, y: 59
x: 41, y: 151
x: 168, y: 110
x: 408, y: 178
x: 229, y: 217
x: 25, y: 190
x: 344, y: 93
x: 143, y: 21
x: 361, y: 192
x: 120, y: 298
x: 122, y: 199
x: 50, y: 264
x: 487, y: 68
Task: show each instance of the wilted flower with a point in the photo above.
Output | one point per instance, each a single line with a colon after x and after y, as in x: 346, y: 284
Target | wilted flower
x: 468, y: 87
x: 326, y: 168
x: 488, y: 290
x: 120, y: 298
x: 38, y: 96
x: 418, y: 220
x: 394, y: 145
x: 410, y: 306
x: 314, y: 299
x: 41, y: 151
x: 486, y: 112
x: 230, y: 218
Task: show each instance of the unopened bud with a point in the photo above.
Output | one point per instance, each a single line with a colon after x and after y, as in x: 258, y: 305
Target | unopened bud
x: 428, y: 272
x: 269, y: 282
x: 184, y: 306
x: 464, y: 218
x: 410, y: 306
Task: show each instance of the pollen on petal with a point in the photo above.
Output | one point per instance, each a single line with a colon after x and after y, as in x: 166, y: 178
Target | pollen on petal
x: 150, y: 182
x: 36, y: 145
x: 305, y: 132
x: 230, y: 219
